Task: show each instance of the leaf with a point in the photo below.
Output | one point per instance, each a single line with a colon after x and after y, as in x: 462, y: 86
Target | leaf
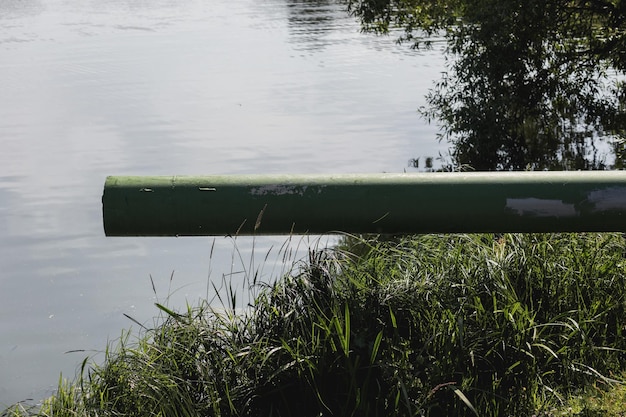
x: 135, y: 321
x: 463, y: 398
x: 346, y: 334
x: 171, y: 313
x: 393, y: 318
x: 541, y: 345
x: 379, y: 338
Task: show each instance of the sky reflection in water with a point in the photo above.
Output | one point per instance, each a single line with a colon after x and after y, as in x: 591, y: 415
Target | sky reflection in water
x: 96, y: 88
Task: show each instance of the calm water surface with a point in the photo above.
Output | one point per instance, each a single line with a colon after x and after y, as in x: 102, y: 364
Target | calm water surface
x: 162, y: 87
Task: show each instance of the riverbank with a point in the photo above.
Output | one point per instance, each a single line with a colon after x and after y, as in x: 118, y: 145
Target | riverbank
x: 489, y: 325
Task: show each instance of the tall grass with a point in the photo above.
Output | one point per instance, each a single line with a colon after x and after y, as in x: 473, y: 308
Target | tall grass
x: 463, y: 325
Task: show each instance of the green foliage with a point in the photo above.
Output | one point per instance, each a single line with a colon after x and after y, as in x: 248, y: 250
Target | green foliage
x: 433, y: 325
x: 530, y: 84
x: 512, y: 320
x: 594, y: 401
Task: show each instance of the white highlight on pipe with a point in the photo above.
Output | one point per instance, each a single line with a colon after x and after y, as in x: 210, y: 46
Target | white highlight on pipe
x: 540, y: 207
x: 600, y: 200
x: 279, y: 189
x: 611, y: 198
x: 283, y: 189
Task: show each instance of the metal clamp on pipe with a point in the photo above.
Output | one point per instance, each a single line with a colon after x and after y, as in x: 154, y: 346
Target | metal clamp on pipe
x: 372, y: 203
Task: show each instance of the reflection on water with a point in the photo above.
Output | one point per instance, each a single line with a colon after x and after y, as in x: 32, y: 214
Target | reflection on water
x: 96, y: 88
x: 316, y: 24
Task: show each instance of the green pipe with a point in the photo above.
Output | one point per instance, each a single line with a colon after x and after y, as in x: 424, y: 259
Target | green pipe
x: 376, y: 203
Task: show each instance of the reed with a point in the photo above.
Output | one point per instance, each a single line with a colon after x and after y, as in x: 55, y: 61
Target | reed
x: 434, y: 325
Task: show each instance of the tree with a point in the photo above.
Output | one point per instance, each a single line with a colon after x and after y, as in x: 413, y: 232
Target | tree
x: 531, y: 84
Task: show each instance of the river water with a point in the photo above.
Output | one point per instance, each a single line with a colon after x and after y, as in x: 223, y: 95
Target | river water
x: 92, y: 88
